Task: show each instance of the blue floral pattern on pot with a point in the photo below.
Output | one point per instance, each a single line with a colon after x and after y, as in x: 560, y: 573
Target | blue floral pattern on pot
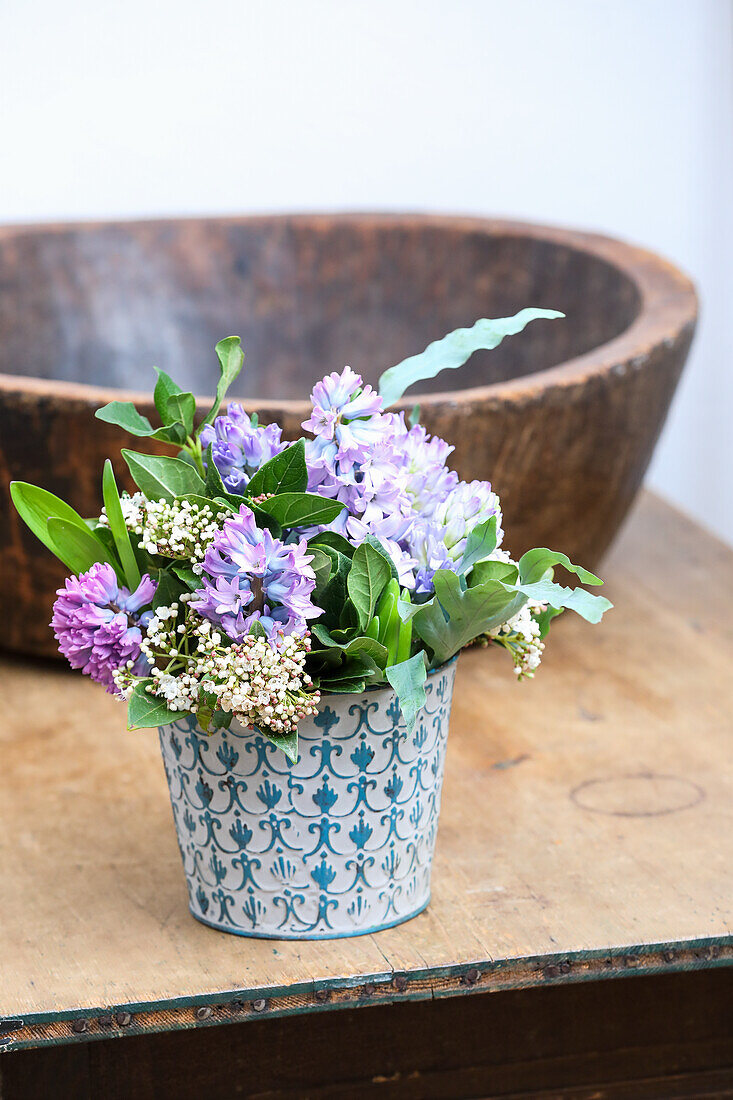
x: 339, y: 844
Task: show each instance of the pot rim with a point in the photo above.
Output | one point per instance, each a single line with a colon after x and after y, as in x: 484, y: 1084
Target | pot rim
x: 667, y: 313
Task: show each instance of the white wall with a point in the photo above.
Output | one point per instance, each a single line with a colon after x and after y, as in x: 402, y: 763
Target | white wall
x: 606, y: 114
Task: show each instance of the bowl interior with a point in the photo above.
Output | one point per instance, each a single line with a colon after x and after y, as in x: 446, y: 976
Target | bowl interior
x: 102, y: 303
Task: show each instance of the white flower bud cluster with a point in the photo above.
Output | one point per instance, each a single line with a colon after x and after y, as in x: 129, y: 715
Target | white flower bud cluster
x: 258, y: 682
x: 521, y: 636
x: 171, y: 528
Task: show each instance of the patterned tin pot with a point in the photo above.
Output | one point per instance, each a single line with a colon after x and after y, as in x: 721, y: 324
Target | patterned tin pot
x: 339, y: 844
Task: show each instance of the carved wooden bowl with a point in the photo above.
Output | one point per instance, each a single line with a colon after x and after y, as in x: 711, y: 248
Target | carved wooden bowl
x: 562, y: 418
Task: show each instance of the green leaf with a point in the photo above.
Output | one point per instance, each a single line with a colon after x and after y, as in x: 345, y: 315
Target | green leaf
x: 321, y: 566
x: 169, y: 589
x: 590, y: 607
x: 453, y: 350
x: 165, y: 387
x: 36, y: 506
x: 545, y: 618
x: 184, y: 573
x: 180, y: 407
x: 354, y: 647
x: 124, y: 415
x: 408, y: 680
x: 370, y: 571
x: 145, y: 710
x: 536, y: 564
x: 335, y: 593
x: 285, y: 473
x: 79, y: 548
x: 483, y: 571
x: 455, y: 616
x: 230, y: 355
x: 480, y: 543
x: 333, y: 540
x: 163, y: 478
x: 288, y: 742
x: 301, y: 509
x: 118, y: 527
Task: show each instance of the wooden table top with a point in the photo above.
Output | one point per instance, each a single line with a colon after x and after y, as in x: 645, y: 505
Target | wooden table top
x: 586, y: 832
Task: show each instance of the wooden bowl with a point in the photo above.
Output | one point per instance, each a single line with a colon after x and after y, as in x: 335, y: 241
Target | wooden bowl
x: 562, y: 418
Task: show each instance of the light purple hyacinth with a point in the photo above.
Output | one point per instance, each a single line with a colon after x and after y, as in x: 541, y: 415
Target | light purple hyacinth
x: 440, y: 541
x: 238, y: 448
x: 249, y: 576
x: 97, y: 623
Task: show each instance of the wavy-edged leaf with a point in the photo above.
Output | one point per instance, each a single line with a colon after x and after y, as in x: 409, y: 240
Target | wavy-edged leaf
x: 118, y: 527
x: 408, y: 680
x: 537, y: 563
x: 79, y: 548
x: 145, y: 711
x: 163, y: 478
x: 590, y: 607
x: 231, y: 357
x: 455, y: 616
x: 453, y: 350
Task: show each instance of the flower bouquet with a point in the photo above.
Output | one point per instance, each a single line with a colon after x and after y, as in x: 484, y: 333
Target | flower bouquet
x: 288, y: 614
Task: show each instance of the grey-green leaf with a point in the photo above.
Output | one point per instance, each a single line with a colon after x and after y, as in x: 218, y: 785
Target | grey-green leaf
x: 163, y: 478
x: 408, y: 680
x: 453, y: 350
x: 370, y: 571
x: 536, y: 564
x: 455, y: 616
x: 590, y: 607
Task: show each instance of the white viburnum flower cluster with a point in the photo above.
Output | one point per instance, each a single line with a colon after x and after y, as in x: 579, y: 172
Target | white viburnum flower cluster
x: 520, y: 635
x: 170, y: 528
x: 259, y: 682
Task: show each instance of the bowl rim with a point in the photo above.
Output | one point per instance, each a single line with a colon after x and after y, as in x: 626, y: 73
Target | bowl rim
x: 667, y: 313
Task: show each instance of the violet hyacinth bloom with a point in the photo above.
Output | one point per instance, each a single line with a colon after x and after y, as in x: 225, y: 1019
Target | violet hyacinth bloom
x: 249, y: 576
x: 97, y: 623
x: 238, y: 448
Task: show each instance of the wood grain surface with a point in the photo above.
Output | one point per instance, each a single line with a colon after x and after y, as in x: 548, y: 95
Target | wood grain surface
x: 586, y: 830
x: 562, y: 418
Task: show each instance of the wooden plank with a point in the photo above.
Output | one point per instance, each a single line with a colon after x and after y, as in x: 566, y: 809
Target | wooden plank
x: 660, y: 1037
x: 586, y: 830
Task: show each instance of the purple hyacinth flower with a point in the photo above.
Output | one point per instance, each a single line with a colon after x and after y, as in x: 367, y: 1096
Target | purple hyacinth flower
x: 238, y: 448
x: 249, y: 576
x: 97, y: 623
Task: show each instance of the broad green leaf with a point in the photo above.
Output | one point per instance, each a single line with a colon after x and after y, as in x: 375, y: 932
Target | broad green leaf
x: 455, y: 616
x: 352, y: 686
x: 536, y: 564
x: 334, y: 540
x: 145, y: 710
x: 230, y: 355
x: 180, y: 407
x: 336, y: 592
x: 79, y: 548
x: 480, y: 543
x: 301, y: 509
x: 408, y: 680
x: 184, y: 573
x: 545, y: 618
x: 285, y: 473
x: 125, y: 415
x: 493, y: 570
x: 321, y: 566
x: 36, y: 506
x: 118, y: 527
x: 169, y: 589
x: 288, y: 742
x: 165, y: 387
x: 453, y: 350
x: 163, y: 478
x: 370, y: 571
x: 354, y: 647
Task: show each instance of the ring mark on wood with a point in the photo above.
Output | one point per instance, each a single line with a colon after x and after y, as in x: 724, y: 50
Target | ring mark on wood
x: 640, y: 794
